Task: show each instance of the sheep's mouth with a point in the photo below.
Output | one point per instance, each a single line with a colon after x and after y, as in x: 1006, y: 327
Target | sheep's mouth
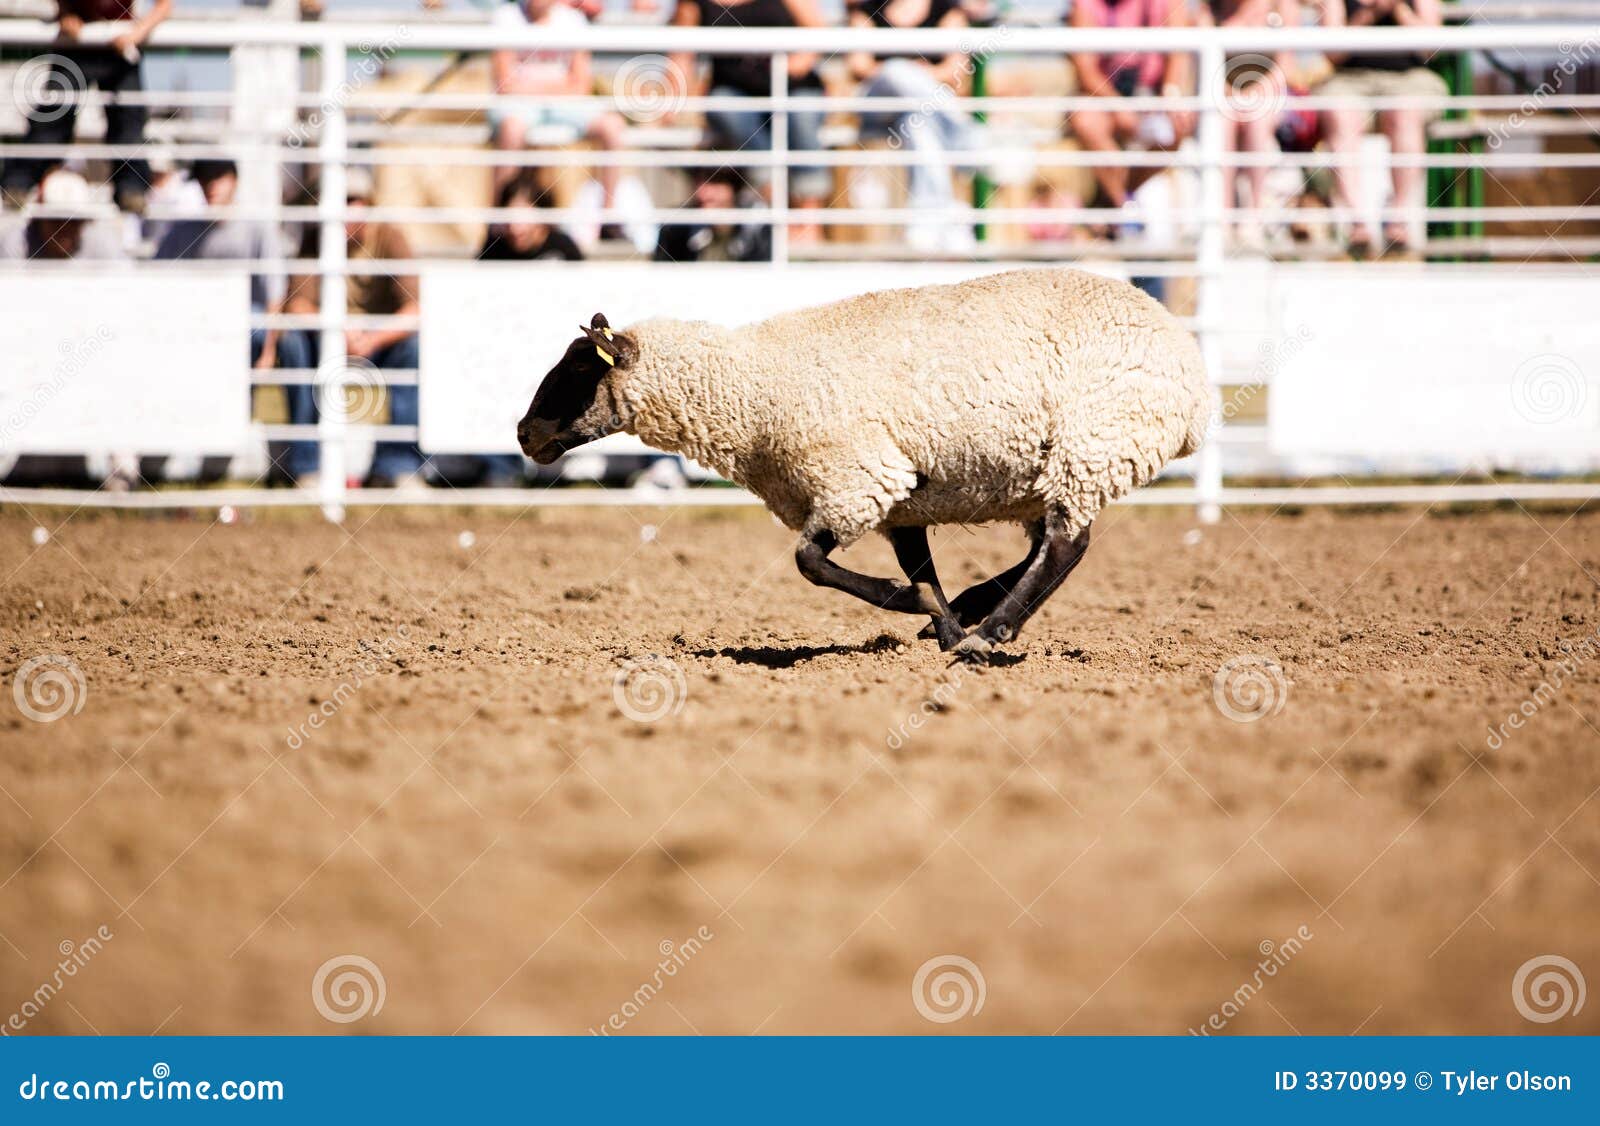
x: 553, y: 448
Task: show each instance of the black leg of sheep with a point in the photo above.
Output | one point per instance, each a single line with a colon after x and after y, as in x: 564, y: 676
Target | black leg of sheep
x: 1009, y: 601
x: 977, y: 602
x: 812, y: 559
x: 1047, y: 568
x: 911, y: 549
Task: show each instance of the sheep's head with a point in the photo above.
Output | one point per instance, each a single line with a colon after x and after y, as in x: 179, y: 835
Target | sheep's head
x: 575, y: 403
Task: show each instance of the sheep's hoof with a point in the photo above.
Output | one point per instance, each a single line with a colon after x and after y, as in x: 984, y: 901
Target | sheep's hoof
x: 974, y: 649
x: 946, y: 631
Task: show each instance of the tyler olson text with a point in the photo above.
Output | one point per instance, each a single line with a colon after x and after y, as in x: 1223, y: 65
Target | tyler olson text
x: 1469, y: 1082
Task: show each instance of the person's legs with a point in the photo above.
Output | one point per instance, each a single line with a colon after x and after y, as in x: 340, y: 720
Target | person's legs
x: 606, y: 131
x: 510, y: 132
x: 1342, y: 129
x: 297, y: 352
x: 1407, y: 133
x: 923, y: 131
x: 808, y: 184
x: 1096, y: 131
x: 504, y: 471
x: 399, y: 461
x: 736, y: 129
x: 50, y: 122
x: 1258, y: 135
x: 130, y: 179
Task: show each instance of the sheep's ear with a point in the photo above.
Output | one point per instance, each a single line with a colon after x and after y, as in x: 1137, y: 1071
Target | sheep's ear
x: 615, y: 348
x: 599, y: 321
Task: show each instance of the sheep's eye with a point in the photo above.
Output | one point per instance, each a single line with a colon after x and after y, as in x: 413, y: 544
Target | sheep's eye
x: 569, y: 390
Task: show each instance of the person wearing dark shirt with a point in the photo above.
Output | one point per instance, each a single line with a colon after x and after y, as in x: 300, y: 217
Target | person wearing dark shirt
x: 1381, y: 74
x: 72, y: 69
x: 718, y: 190
x: 733, y: 76
x: 526, y: 238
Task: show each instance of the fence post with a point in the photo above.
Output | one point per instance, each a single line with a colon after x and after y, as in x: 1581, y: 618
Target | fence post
x: 1209, y: 260
x: 331, y: 264
x: 778, y: 183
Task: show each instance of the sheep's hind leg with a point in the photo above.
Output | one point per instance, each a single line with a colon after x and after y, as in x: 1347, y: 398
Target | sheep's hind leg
x: 911, y: 549
x: 1057, y: 555
x: 976, y: 603
x: 812, y: 559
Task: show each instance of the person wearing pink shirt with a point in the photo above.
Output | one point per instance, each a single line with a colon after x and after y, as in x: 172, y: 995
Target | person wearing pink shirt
x: 1127, y: 74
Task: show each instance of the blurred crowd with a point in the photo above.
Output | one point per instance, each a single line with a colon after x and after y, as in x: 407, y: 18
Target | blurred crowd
x: 1114, y: 200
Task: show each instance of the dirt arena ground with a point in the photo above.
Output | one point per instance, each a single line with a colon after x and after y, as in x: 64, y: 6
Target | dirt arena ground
x: 484, y: 810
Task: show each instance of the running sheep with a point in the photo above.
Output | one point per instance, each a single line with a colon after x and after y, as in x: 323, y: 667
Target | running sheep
x: 1035, y: 396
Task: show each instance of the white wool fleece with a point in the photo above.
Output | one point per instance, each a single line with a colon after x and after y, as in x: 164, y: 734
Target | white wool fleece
x: 995, y: 399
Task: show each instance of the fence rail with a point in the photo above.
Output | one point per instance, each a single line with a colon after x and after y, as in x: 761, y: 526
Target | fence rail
x: 1200, y: 250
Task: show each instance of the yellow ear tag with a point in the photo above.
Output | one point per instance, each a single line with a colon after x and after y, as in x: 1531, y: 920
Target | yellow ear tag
x: 606, y: 356
x: 607, y: 332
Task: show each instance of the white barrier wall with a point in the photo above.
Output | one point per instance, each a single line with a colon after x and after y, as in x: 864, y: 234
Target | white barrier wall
x: 490, y: 331
x: 118, y: 360
x: 1458, y: 367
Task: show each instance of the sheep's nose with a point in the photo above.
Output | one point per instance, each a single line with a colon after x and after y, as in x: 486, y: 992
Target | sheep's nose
x: 533, y: 434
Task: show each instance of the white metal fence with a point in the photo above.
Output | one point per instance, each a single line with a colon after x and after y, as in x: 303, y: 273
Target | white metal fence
x: 335, y: 125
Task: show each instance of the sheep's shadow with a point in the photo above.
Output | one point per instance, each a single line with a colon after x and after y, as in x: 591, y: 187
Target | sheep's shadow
x: 787, y: 657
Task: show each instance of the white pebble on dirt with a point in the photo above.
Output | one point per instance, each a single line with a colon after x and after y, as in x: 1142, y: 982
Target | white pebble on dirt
x: 40, y: 537
x: 465, y: 540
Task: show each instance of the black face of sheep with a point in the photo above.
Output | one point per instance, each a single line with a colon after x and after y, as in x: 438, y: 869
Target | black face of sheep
x: 563, y: 414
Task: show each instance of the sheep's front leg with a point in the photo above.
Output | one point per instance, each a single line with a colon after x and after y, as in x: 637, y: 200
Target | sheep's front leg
x: 1058, y: 554
x: 911, y: 549
x: 812, y: 559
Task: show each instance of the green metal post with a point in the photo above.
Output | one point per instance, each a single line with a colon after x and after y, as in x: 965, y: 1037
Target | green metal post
x: 982, y: 186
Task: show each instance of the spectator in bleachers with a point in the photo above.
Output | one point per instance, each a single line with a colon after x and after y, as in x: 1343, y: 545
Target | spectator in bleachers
x: 238, y: 240
x: 114, y: 69
x: 1257, y: 88
x: 1380, y: 75
x: 932, y: 129
x: 733, y: 76
x: 551, y: 72
x: 715, y: 189
x: 397, y: 464
x: 1129, y: 74
x: 63, y: 228
x: 528, y: 237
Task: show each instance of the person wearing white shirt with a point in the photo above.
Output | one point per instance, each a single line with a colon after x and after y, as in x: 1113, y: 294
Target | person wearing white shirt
x: 550, y: 72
